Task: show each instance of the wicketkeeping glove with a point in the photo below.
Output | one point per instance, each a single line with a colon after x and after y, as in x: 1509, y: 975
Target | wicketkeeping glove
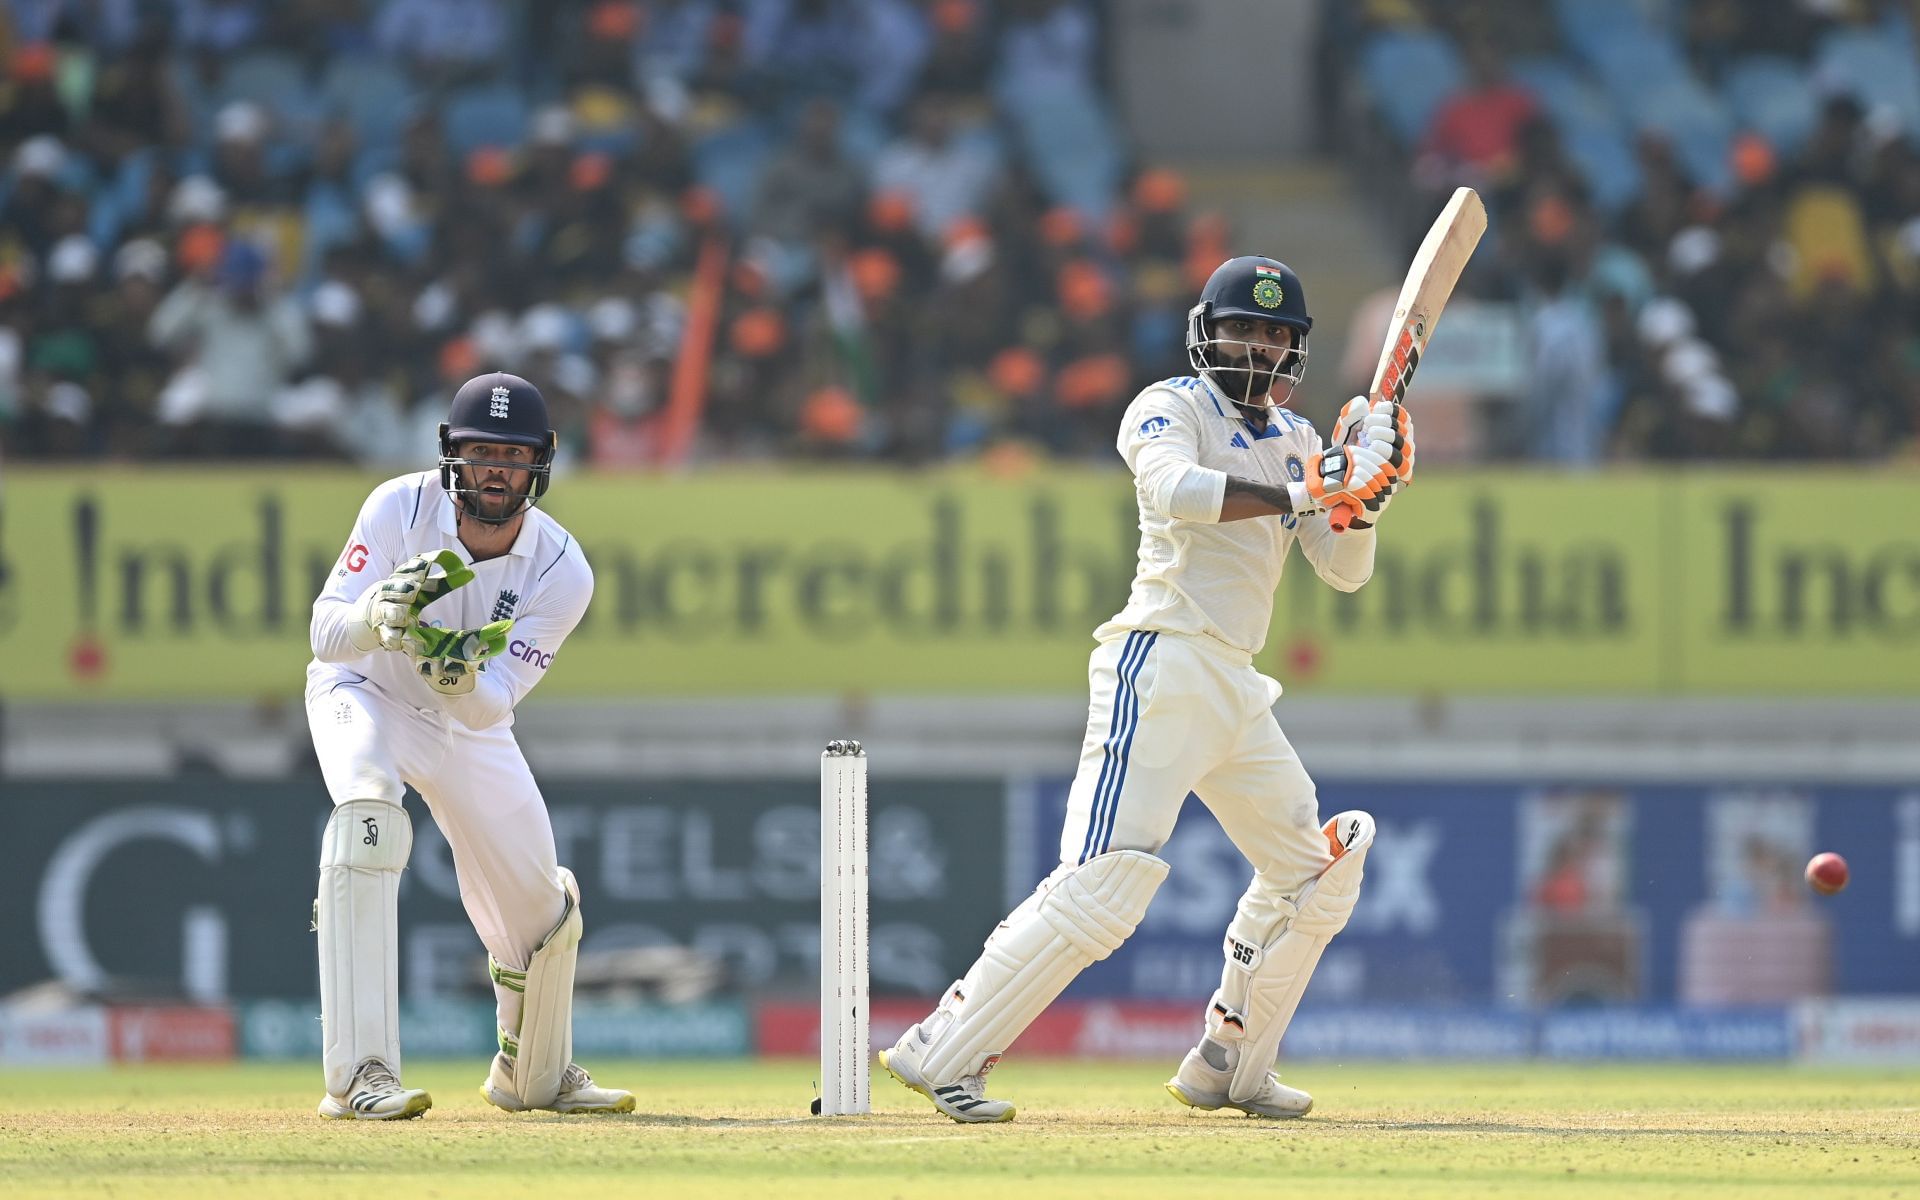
x: 389, y: 609
x: 450, y: 660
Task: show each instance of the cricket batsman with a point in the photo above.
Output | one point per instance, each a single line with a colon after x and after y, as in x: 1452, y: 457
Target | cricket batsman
x: 450, y: 602
x: 1228, y: 481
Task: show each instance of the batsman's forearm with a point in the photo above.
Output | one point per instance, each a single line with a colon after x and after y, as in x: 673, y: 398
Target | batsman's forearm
x: 1246, y: 498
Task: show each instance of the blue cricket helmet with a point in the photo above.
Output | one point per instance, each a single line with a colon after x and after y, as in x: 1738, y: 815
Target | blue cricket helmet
x: 1251, y: 288
x: 500, y: 408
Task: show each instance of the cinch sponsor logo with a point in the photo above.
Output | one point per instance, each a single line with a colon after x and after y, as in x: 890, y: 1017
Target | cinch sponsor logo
x: 529, y: 652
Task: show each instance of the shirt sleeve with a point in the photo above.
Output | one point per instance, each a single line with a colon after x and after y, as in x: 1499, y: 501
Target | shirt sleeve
x: 533, y: 644
x: 372, y: 551
x: 1343, y: 560
x: 1161, y: 444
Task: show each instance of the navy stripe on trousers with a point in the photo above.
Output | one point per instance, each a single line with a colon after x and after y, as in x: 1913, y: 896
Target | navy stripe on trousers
x: 1120, y: 730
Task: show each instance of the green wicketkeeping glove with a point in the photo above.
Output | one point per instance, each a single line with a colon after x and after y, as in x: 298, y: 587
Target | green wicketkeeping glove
x: 392, y: 607
x: 450, y: 660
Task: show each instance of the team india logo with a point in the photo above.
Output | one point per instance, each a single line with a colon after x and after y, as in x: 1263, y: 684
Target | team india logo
x: 1266, y: 287
x: 498, y: 408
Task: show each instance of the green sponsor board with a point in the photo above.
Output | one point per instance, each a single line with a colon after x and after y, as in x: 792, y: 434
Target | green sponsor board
x: 175, y: 583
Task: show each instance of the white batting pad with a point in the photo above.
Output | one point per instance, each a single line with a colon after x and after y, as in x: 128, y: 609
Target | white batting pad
x: 362, y: 853
x: 1267, y: 973
x: 542, y: 1047
x: 1077, y: 917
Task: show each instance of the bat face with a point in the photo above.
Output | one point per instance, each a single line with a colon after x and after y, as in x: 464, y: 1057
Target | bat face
x: 1428, y: 286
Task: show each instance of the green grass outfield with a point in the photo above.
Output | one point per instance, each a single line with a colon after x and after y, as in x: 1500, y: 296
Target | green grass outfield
x: 739, y: 1130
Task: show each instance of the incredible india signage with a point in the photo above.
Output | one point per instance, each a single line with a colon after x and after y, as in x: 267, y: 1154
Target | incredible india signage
x: 172, y: 583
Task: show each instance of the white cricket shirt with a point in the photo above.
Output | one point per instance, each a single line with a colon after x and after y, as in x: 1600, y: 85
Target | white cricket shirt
x: 1196, y: 574
x: 543, y: 583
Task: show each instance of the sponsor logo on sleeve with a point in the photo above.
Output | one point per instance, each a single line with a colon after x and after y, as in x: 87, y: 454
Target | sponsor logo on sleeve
x: 356, y: 557
x: 529, y: 652
x: 1153, y: 427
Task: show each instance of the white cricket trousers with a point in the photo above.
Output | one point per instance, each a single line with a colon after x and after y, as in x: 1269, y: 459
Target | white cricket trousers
x: 1175, y: 713
x: 481, y: 794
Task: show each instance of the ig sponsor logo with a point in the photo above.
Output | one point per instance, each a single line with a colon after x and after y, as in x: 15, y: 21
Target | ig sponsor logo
x: 356, y: 558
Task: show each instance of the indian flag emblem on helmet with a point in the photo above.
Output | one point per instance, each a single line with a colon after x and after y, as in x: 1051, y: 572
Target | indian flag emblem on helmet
x: 1266, y: 287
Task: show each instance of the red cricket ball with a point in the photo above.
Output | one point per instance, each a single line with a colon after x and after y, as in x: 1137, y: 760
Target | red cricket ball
x: 1826, y: 873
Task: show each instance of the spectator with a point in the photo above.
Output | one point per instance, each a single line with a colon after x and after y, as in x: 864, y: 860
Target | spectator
x: 237, y: 345
x: 809, y: 185
x: 217, y: 27
x: 944, y: 176
x: 1474, y: 137
x: 29, y: 105
x: 444, y: 39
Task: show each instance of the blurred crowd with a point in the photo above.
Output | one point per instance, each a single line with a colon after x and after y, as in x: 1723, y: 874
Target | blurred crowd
x: 907, y: 229
x: 888, y: 229
x: 1707, y: 211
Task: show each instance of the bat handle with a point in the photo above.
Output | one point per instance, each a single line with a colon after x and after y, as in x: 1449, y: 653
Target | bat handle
x: 1342, y: 515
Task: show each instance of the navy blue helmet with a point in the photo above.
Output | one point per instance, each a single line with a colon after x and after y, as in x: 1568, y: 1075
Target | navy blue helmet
x: 506, y: 410
x: 1248, y: 288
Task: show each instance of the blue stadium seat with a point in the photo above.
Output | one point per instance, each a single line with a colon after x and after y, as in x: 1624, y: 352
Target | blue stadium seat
x: 730, y: 161
x: 1569, y: 96
x: 485, y: 115
x: 1695, y: 121
x: 1067, y: 140
x: 1605, y: 159
x: 270, y: 78
x: 1770, y: 95
x: 373, y: 95
x: 1408, y: 73
x: 1876, y: 68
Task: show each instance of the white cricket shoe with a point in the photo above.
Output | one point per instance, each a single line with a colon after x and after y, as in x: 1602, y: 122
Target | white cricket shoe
x: 1200, y: 1084
x: 578, y: 1092
x: 376, y: 1095
x: 964, y: 1100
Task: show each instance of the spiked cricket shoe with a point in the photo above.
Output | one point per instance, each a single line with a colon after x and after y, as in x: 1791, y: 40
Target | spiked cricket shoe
x: 376, y: 1095
x: 964, y: 1100
x: 578, y: 1092
x: 1199, y: 1084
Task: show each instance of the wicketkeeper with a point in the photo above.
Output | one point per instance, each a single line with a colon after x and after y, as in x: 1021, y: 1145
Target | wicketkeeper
x: 1228, y: 480
x: 450, y: 602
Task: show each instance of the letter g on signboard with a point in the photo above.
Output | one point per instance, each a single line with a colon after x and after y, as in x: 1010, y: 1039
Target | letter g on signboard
x: 62, y: 903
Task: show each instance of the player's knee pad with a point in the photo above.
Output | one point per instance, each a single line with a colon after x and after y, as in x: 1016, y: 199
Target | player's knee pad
x: 542, y: 1047
x: 365, y: 847
x: 1272, y: 948
x: 1080, y: 919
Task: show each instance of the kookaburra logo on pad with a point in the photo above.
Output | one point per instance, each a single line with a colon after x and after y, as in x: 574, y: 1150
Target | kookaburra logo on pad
x: 499, y: 406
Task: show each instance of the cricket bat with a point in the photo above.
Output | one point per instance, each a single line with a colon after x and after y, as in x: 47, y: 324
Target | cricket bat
x: 1436, y: 268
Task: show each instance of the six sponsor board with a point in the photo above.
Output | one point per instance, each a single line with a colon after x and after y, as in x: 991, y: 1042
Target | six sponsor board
x: 165, y: 583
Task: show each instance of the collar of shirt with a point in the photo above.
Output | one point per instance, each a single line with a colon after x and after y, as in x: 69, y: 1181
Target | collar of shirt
x: 1275, y: 426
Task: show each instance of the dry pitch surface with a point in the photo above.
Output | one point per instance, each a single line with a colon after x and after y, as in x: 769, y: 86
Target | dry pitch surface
x: 738, y: 1130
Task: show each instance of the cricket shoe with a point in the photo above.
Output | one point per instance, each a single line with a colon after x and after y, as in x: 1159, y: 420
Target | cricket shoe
x: 964, y: 1099
x: 578, y: 1092
x: 376, y: 1095
x: 1202, y: 1085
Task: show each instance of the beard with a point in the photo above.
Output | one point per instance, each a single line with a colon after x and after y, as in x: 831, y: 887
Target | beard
x: 1246, y: 380
x: 494, y: 499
